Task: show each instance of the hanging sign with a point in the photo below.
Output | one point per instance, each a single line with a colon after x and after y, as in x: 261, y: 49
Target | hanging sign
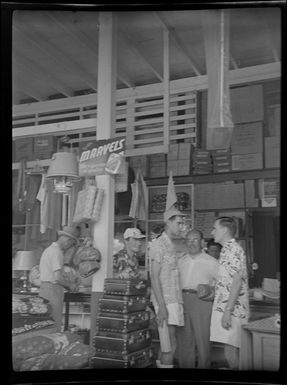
x: 101, y: 157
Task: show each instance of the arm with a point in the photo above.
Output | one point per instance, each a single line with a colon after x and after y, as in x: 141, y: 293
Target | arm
x: 234, y: 292
x: 155, y: 283
x: 60, y: 281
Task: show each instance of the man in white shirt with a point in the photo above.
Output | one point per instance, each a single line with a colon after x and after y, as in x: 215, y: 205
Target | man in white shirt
x: 198, y: 272
x: 51, y: 272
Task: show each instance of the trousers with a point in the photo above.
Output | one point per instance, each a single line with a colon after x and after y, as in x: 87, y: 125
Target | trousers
x: 55, y: 295
x: 195, y: 333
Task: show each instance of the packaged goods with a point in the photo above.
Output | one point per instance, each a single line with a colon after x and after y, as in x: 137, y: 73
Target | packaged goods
x: 119, y: 286
x: 122, y: 323
x: 119, y: 344
x: 122, y: 304
x: 139, y: 359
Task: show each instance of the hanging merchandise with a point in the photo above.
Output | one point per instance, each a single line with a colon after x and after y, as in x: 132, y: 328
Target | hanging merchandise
x: 98, y: 205
x: 21, y: 188
x: 216, y: 42
x: 139, y: 200
x: 87, y: 258
x: 85, y: 204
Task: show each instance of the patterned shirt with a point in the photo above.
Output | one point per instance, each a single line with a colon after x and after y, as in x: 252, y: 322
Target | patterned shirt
x: 125, y: 266
x: 232, y: 260
x: 162, y: 251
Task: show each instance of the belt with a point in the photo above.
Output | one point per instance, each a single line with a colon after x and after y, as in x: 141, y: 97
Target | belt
x: 189, y: 291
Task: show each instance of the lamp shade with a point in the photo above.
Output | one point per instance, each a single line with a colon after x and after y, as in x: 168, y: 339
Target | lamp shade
x: 64, y: 164
x: 24, y: 260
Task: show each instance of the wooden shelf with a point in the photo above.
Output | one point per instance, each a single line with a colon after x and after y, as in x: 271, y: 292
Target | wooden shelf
x: 215, y: 178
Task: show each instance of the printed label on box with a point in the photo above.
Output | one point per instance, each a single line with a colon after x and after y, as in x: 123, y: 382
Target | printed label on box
x: 247, y: 162
x: 247, y: 139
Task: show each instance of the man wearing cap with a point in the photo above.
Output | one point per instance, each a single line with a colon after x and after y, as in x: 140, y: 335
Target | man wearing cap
x: 125, y: 262
x: 51, y: 272
x: 166, y: 294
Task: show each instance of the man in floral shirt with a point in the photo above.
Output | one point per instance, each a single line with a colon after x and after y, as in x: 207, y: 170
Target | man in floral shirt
x: 231, y: 303
x: 126, y: 261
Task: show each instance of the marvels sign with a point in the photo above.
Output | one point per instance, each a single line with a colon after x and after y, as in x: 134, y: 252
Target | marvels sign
x: 101, y: 157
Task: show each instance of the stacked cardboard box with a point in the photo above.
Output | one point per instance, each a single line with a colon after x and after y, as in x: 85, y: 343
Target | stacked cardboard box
x: 247, y: 104
x: 157, y: 165
x: 139, y: 163
x: 247, y: 146
x: 179, y: 158
x: 221, y: 160
x: 201, y: 162
x: 272, y: 151
x: 45, y: 146
x: 23, y: 149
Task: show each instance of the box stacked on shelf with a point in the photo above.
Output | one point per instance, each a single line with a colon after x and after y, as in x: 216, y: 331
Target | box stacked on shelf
x: 202, y: 162
x: 247, y: 146
x: 23, y: 149
x: 179, y: 158
x: 45, y: 146
x: 123, y: 338
x: 221, y: 160
x: 157, y: 165
x: 139, y: 163
x: 272, y: 151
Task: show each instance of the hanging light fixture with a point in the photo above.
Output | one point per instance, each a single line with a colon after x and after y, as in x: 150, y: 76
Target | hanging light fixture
x: 64, y: 170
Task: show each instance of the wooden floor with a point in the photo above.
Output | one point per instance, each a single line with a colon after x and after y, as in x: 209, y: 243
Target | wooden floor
x: 217, y: 356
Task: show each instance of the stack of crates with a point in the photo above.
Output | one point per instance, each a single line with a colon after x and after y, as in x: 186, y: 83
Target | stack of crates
x: 123, y: 338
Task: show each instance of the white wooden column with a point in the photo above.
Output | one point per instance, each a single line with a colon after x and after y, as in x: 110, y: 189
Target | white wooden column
x: 103, y: 230
x: 166, y: 83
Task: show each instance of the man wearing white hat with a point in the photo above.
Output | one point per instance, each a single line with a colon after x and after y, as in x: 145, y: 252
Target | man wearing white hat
x: 166, y: 293
x: 51, y: 272
x: 125, y: 262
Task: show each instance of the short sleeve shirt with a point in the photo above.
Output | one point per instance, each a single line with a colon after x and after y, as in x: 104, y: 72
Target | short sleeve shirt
x: 232, y: 260
x: 51, y: 260
x: 161, y: 250
x: 202, y: 269
x: 125, y: 266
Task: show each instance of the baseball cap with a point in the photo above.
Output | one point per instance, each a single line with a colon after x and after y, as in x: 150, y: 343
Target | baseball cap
x: 133, y: 233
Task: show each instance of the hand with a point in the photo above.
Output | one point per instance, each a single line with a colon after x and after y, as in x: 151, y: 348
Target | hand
x: 161, y: 315
x: 226, y: 320
x: 73, y: 287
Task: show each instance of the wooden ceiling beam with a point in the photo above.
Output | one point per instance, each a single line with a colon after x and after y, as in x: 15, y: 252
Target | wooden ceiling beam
x: 74, y: 31
x: 82, y: 39
x: 271, y: 43
x: 177, y: 41
x: 42, y: 74
x: 27, y: 88
x: 49, y: 49
x: 233, y: 62
x: 131, y: 45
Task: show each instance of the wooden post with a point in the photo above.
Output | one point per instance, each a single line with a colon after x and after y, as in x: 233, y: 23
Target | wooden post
x: 103, y: 230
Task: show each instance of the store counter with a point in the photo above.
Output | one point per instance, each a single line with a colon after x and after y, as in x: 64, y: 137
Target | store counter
x: 260, y: 345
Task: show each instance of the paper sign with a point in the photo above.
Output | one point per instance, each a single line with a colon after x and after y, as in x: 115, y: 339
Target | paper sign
x: 101, y: 157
